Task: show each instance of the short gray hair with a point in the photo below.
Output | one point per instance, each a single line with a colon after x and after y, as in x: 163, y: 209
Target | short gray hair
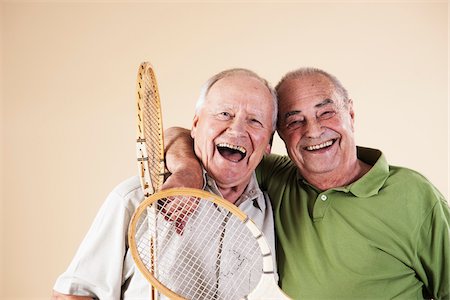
x: 232, y: 72
x: 306, y: 72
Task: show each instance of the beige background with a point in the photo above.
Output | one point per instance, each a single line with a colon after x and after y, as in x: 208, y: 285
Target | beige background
x: 67, y: 97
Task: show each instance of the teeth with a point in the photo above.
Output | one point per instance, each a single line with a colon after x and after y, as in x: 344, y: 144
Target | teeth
x: 238, y: 148
x: 320, y: 146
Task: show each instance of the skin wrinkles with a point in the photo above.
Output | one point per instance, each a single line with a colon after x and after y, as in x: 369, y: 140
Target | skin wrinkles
x: 238, y: 113
x: 296, y: 112
x: 317, y: 125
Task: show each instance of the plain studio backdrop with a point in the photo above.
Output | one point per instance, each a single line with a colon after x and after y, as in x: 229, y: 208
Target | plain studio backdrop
x: 68, y: 73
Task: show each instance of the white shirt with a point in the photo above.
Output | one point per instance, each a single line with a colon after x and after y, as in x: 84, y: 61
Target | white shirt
x: 103, y: 267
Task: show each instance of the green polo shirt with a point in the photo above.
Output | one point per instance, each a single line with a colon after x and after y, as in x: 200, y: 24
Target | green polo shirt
x: 385, y: 236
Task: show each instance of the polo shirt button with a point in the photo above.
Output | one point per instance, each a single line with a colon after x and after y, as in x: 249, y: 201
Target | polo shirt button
x: 323, y: 197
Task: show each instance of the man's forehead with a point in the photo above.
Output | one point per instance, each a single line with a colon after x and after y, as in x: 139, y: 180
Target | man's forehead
x: 307, y: 86
x: 311, y: 91
x: 242, y: 86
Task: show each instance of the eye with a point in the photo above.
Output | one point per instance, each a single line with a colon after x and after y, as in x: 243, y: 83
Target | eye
x: 224, y: 115
x: 327, y: 114
x: 256, y: 123
x: 294, y: 123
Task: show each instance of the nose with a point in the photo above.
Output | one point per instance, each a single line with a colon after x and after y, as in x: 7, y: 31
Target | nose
x: 313, y: 129
x: 237, y: 126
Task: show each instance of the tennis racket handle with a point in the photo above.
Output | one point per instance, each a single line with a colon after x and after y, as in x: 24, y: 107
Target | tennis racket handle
x: 267, y: 289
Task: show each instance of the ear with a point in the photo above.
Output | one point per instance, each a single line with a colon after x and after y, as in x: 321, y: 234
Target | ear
x: 268, y: 149
x: 194, y: 126
x: 351, y: 112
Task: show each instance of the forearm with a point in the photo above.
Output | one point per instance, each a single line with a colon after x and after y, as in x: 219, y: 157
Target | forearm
x: 181, y: 161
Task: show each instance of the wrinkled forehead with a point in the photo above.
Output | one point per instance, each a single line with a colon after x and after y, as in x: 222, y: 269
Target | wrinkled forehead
x: 240, y: 90
x: 307, y: 90
x: 306, y: 86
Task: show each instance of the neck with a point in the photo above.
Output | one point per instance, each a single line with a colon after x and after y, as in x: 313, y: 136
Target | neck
x: 335, y: 178
x: 233, y: 193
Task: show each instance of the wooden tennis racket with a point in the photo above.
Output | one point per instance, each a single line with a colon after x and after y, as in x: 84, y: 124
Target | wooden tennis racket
x: 150, y: 142
x: 220, y: 254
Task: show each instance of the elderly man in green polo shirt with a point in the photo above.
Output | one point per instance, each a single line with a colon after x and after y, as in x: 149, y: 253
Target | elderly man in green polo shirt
x: 348, y: 224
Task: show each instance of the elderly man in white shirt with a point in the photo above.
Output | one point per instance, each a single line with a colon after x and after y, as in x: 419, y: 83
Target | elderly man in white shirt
x: 232, y: 128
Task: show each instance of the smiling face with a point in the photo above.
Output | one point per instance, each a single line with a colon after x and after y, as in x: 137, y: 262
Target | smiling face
x: 232, y: 129
x: 317, y: 126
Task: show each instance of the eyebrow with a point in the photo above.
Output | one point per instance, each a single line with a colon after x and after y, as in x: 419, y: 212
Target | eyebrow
x: 324, y: 102
x: 318, y: 105
x: 291, y: 113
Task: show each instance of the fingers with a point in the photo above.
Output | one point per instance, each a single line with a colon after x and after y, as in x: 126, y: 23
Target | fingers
x: 178, y: 209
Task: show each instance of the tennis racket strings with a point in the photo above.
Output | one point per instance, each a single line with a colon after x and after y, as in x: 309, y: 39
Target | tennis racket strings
x: 215, y: 256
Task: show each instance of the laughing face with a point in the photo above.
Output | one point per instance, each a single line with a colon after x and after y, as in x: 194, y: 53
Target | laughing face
x: 232, y: 129
x: 317, y: 126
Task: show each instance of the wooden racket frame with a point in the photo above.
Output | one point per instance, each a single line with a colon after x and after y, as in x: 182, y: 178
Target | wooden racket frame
x: 267, y: 277
x: 151, y: 173
x: 151, y: 169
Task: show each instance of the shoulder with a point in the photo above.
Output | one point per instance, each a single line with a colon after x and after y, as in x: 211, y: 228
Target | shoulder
x: 128, y: 187
x: 411, y: 178
x: 276, y: 159
x: 274, y: 163
x: 414, y: 187
x: 128, y: 194
x: 279, y: 177
x: 403, y: 184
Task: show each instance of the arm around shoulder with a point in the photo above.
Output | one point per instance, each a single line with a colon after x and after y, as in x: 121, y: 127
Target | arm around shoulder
x: 185, y: 168
x: 271, y: 166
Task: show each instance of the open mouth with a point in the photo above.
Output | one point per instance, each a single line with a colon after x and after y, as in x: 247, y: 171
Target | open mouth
x: 320, y: 146
x: 232, y: 152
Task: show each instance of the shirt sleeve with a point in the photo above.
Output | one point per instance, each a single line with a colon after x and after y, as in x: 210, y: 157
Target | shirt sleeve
x: 96, y: 269
x: 268, y: 167
x: 433, y: 251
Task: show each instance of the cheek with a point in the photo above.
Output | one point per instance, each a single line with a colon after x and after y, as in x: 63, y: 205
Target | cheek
x: 344, y: 127
x: 202, y: 139
x: 292, y: 138
x: 260, y: 147
x: 208, y: 137
x: 259, y: 139
x: 351, y: 127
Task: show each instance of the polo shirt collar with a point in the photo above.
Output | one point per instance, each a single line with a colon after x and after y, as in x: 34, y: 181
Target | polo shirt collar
x: 371, y: 183
x: 252, y: 191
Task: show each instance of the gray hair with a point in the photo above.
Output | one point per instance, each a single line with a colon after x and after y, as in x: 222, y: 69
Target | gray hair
x: 305, y: 72
x: 232, y: 72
